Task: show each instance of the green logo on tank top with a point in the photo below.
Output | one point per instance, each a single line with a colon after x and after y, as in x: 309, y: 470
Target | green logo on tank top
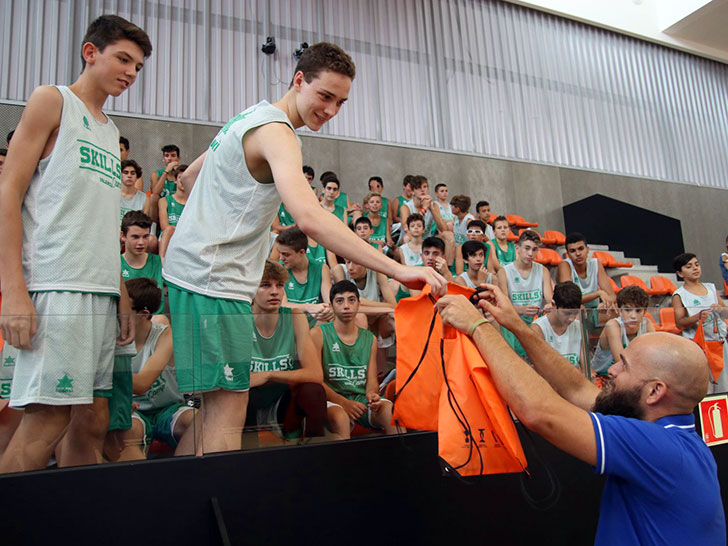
x: 125, y: 273
x: 103, y: 162
x: 696, y: 302
x: 516, y: 280
x: 215, y: 144
x: 9, y: 361
x: 65, y: 384
x: 85, y: 123
x: 573, y: 358
x: 228, y: 371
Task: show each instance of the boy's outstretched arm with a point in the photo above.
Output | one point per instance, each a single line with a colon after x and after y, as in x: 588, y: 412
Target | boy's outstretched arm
x: 277, y: 144
x: 33, y: 140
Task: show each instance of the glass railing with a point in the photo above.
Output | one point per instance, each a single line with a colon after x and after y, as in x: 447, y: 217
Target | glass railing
x: 196, y: 385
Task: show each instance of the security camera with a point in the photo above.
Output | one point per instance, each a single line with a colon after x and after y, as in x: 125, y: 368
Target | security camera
x: 297, y: 54
x: 269, y: 47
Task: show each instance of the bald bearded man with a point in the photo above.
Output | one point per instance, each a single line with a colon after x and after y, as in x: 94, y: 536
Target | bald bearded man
x: 662, y: 485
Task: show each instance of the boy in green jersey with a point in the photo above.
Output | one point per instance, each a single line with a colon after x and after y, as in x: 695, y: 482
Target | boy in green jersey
x: 329, y: 202
x: 349, y: 360
x: 505, y: 250
x: 136, y: 262
x: 395, y: 205
x: 285, y: 369
x: 309, y: 284
x: 170, y: 210
x: 163, y: 179
x: 376, y: 185
x: 62, y: 384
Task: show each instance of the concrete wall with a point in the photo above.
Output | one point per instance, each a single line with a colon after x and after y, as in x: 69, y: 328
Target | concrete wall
x: 536, y: 192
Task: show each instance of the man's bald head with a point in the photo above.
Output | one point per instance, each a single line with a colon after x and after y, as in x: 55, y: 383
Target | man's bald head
x: 678, y: 362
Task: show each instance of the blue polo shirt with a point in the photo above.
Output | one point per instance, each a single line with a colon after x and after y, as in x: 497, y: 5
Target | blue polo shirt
x: 662, y: 485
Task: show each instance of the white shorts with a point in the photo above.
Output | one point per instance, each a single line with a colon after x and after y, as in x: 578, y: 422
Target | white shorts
x: 73, y: 350
x: 7, y: 368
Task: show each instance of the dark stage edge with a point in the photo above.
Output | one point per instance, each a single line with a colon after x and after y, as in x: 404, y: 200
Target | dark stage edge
x: 372, y: 491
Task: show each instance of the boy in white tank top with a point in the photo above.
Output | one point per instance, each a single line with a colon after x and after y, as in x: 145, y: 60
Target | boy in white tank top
x: 561, y: 327
x: 66, y: 159
x: 588, y: 274
x: 527, y: 283
x: 619, y: 332
x: 215, y: 259
x: 695, y: 302
x: 410, y: 252
x: 162, y: 413
x: 474, y: 255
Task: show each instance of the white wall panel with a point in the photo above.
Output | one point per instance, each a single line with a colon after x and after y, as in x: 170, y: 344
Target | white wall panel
x: 483, y: 77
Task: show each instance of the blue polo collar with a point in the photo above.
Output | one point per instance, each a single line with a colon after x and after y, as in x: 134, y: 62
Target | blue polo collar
x: 684, y: 422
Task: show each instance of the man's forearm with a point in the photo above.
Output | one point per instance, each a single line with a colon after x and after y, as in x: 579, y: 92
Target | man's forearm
x: 561, y: 374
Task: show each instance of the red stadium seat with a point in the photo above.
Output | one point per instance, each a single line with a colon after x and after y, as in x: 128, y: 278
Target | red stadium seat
x: 629, y: 280
x: 662, y: 286
x: 547, y: 256
x: 615, y: 286
x: 725, y: 289
x: 667, y: 320
x: 607, y: 260
x: 554, y: 237
x: 518, y: 221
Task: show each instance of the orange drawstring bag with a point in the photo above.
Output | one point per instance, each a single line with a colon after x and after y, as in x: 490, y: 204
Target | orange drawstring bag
x: 476, y: 433
x: 418, y: 328
x: 713, y: 351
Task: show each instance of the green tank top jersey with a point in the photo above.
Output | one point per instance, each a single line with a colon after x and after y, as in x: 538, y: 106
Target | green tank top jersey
x: 276, y: 353
x: 345, y: 366
x: 342, y: 201
x: 170, y: 186
x: 151, y: 270
x: 174, y: 210
x: 310, y: 292
x: 506, y: 257
x: 380, y: 231
x: 401, y: 200
x: 384, y: 211
x: 316, y: 254
x: 284, y: 217
x: 339, y: 212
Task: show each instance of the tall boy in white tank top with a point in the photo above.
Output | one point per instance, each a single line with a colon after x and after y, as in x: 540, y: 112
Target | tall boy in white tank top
x: 65, y: 162
x: 695, y: 302
x: 561, y: 327
x: 215, y: 260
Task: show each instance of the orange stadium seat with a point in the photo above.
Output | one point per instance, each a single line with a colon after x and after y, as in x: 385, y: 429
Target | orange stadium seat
x: 667, y: 320
x: 547, y: 256
x: 492, y: 218
x: 630, y: 280
x: 518, y: 221
x: 607, y: 260
x: 662, y: 286
x: 512, y: 237
x: 725, y: 289
x: 556, y: 237
x: 615, y: 286
x: 649, y: 317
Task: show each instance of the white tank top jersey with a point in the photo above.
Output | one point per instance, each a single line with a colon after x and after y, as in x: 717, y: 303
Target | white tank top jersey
x: 446, y: 212
x: 411, y: 257
x: 164, y: 391
x: 371, y: 287
x: 75, y: 191
x: 567, y: 344
x: 221, y: 241
x: 591, y: 283
x: 694, y: 304
x: 429, y: 219
x: 603, y: 358
x: 470, y: 284
x: 460, y: 228
x: 525, y: 291
x: 133, y: 203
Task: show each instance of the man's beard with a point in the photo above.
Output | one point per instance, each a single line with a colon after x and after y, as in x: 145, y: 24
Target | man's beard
x: 625, y: 403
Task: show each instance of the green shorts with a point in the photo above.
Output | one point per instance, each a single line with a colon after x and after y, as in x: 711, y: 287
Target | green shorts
x: 122, y: 389
x: 212, y: 341
x: 159, y: 424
